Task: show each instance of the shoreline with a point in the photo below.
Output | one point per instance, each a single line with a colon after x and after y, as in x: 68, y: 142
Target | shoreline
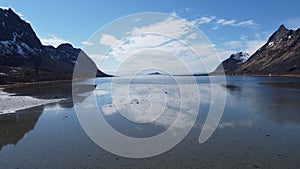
x: 32, y: 83
x: 258, y: 75
x: 41, y: 82
x: 11, y: 104
x: 70, y: 80
x: 270, y: 76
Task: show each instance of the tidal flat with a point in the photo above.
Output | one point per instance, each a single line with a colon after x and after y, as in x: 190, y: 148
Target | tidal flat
x: 259, y: 127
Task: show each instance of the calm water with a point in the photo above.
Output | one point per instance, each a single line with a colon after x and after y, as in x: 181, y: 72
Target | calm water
x: 260, y: 128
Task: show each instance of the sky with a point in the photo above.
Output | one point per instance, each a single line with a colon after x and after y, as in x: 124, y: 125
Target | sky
x: 230, y: 26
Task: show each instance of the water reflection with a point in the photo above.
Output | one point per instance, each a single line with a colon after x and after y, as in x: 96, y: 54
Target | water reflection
x: 282, y: 103
x: 275, y: 101
x: 259, y: 128
x: 62, y: 90
x: 282, y: 84
x: 147, y: 109
x: 14, y: 126
x: 232, y: 87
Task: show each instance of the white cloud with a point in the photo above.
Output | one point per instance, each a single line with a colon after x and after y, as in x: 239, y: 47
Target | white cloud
x: 193, y: 36
x: 87, y: 43
x: 225, y: 22
x: 206, y: 19
x: 167, y: 37
x: 220, y: 22
x: 108, y: 40
x: 97, y: 58
x: 181, y: 11
x: 135, y: 44
x: 53, y: 41
x: 173, y: 13
x: 137, y: 20
x: 247, y: 23
x: 253, y: 45
x: 100, y: 57
x: 153, y: 59
x: 171, y: 35
x: 171, y: 27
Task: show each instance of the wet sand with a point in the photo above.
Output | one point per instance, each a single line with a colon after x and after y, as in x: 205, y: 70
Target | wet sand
x: 259, y: 129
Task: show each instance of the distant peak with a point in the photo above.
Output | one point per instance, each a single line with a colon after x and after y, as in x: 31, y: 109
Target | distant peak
x: 241, y: 57
x: 8, y: 12
x: 64, y: 46
x: 6, y: 9
x: 9, y: 9
x: 279, y: 35
x: 282, y: 27
x: 239, y: 54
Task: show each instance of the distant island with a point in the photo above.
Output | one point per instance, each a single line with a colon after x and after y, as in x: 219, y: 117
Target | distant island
x: 154, y: 73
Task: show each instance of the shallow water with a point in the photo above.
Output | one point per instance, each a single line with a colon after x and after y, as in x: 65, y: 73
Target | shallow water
x: 260, y: 126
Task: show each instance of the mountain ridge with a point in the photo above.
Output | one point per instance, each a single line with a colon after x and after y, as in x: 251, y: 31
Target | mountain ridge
x: 232, y: 63
x: 23, y: 58
x: 279, y: 56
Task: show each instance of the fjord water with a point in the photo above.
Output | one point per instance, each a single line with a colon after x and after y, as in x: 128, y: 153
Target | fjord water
x: 259, y: 128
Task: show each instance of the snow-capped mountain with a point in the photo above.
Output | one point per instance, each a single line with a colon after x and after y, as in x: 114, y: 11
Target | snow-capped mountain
x: 279, y: 56
x: 233, y: 62
x: 23, y: 58
x: 240, y: 57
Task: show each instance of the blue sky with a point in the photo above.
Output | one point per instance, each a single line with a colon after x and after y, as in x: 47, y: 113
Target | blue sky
x: 232, y: 26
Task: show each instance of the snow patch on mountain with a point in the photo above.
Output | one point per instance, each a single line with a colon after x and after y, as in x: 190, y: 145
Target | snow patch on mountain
x: 9, y: 47
x: 270, y: 44
x: 241, y: 57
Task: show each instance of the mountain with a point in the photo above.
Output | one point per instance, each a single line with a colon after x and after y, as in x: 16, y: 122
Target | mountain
x: 232, y: 63
x: 23, y: 58
x: 279, y: 56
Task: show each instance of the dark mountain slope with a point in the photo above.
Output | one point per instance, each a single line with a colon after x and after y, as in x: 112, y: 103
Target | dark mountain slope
x: 279, y: 56
x: 232, y: 63
x: 24, y: 59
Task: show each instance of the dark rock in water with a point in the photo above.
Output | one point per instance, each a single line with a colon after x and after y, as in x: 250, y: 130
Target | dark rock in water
x: 23, y: 58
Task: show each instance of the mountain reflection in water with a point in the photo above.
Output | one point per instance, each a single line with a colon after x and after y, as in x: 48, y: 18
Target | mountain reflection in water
x: 14, y: 126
